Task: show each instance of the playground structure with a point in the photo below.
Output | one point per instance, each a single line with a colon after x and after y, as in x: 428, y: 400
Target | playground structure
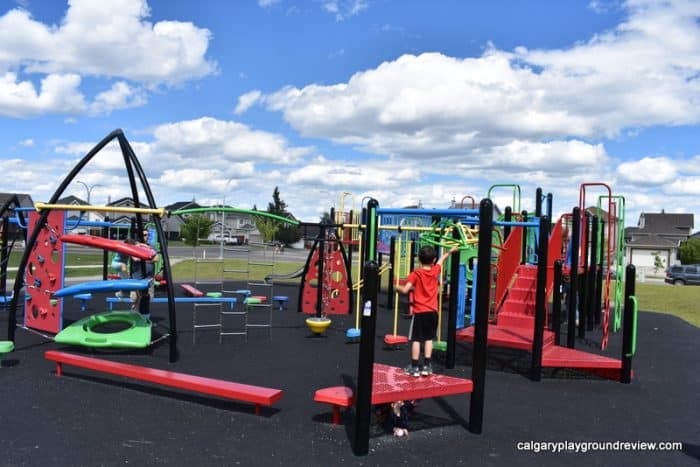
x: 525, y: 249
x: 521, y: 257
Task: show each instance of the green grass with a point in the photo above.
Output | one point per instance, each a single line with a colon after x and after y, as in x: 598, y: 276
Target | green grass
x: 211, y: 270
x: 680, y: 301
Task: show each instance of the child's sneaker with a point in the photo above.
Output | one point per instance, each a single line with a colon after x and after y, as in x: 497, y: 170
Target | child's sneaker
x: 426, y: 370
x: 411, y: 370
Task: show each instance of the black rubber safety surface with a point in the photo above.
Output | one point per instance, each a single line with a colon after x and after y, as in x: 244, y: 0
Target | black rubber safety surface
x: 89, y: 419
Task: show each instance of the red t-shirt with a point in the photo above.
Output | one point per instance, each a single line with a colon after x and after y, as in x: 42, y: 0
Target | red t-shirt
x: 425, y: 288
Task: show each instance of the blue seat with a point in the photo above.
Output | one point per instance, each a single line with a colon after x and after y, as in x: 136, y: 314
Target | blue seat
x: 281, y: 300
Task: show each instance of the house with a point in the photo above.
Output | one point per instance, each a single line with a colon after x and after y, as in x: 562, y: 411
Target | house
x: 234, y: 225
x: 25, y: 201
x: 654, y: 243
x: 173, y: 223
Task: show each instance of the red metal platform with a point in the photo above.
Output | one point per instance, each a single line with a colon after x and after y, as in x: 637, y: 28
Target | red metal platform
x: 502, y: 336
x: 392, y: 384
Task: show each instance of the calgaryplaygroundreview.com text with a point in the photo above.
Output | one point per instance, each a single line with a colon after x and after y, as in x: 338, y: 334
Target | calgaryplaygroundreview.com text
x: 588, y: 446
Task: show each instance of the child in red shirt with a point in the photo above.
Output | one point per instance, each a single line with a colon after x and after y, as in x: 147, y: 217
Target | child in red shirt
x: 425, y: 284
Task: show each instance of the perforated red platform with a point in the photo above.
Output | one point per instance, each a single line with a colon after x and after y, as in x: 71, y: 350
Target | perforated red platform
x: 392, y: 384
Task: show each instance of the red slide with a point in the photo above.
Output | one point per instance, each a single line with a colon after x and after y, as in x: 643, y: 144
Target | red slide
x: 135, y: 251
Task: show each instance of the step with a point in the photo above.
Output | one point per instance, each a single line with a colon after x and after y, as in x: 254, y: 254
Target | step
x: 516, y: 307
x: 525, y: 282
x: 522, y: 294
x: 504, y: 336
x: 527, y: 271
x: 516, y: 320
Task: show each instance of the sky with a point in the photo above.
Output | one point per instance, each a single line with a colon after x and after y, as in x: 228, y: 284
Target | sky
x: 410, y: 102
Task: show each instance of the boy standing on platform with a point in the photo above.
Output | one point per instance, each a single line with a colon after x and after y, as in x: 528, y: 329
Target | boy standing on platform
x: 425, y: 284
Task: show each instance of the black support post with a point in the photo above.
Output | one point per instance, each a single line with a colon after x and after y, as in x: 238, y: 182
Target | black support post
x: 572, y: 296
x: 628, y: 329
x: 583, y: 303
x: 507, y: 216
x: 392, y: 261
x: 591, y: 276
x: 483, y: 302
x: 540, y: 300
x: 368, y: 327
x: 556, y: 302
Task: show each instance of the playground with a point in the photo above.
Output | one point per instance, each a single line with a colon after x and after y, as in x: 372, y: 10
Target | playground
x: 540, y: 357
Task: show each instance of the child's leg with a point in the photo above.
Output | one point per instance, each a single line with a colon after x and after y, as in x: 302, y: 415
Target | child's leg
x: 428, y: 351
x: 415, y: 351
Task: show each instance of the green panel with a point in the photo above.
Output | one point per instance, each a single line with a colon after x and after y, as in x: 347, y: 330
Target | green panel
x: 136, y: 336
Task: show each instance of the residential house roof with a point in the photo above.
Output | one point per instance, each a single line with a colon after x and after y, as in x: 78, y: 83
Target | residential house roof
x: 666, y: 223
x: 24, y: 199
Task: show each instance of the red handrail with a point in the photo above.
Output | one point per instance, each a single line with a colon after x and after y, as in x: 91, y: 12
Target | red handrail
x: 508, y: 262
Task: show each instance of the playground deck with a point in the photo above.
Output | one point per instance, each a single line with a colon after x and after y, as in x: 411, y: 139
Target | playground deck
x: 89, y: 419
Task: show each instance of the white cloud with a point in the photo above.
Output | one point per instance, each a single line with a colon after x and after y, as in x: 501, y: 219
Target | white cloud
x: 344, y: 9
x: 267, y: 3
x: 57, y: 94
x: 642, y: 73
x: 27, y: 143
x: 648, y: 170
x: 119, y: 96
x: 107, y: 39
x: 245, y: 101
x: 208, y: 139
x: 112, y: 40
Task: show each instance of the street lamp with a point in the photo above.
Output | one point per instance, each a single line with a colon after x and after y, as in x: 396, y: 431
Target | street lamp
x: 223, y: 219
x: 89, y: 189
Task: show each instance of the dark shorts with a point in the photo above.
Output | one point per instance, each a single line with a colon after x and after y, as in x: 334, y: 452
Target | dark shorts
x: 423, y: 326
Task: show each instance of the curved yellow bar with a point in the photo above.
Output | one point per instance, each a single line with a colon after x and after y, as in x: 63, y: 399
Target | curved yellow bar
x: 76, y: 207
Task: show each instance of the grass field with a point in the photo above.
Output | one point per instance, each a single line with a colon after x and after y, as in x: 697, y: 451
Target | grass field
x: 680, y: 301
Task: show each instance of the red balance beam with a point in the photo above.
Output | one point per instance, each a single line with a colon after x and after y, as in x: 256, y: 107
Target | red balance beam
x: 192, y: 291
x: 226, y: 389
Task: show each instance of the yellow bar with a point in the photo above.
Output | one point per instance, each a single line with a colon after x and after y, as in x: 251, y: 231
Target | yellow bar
x: 76, y: 207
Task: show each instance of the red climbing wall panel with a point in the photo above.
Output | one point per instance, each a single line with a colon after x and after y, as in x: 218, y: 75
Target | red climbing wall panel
x: 44, y: 275
x: 336, y: 293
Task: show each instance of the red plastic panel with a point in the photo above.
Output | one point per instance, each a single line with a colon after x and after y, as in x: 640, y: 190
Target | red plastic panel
x: 44, y: 274
x: 335, y: 293
x: 392, y: 384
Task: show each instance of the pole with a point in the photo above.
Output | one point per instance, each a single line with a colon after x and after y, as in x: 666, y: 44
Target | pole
x: 556, y: 302
x: 628, y: 325
x: 540, y: 300
x: 572, y: 296
x: 365, y: 365
x: 483, y: 303
x: 452, y: 308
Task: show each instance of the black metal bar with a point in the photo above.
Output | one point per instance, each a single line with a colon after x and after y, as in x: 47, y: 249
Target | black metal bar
x: 450, y: 352
x: 572, y: 296
x: 507, y: 216
x: 591, y: 277
x: 583, y: 291
x: 392, y: 261
x: 540, y: 300
x: 627, y: 325
x: 365, y: 367
x: 538, y: 202
x: 599, y: 277
x: 483, y: 303
x: 549, y: 210
x: 4, y: 255
x: 523, y: 254
x: 556, y: 302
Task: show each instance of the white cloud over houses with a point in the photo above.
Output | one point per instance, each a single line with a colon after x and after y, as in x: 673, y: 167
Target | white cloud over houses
x: 97, y: 39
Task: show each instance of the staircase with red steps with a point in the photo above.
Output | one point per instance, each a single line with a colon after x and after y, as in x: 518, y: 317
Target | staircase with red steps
x: 515, y: 325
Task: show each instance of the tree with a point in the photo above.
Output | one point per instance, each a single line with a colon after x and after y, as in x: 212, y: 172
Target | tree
x: 326, y: 218
x: 658, y: 262
x: 267, y: 227
x: 195, y: 227
x: 690, y: 251
x: 286, y: 233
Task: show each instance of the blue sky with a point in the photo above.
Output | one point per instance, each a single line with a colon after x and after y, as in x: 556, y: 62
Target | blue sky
x: 405, y: 101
